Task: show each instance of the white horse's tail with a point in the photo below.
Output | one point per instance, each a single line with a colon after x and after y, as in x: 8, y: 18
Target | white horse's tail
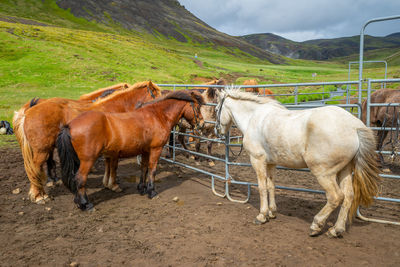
x: 366, y: 172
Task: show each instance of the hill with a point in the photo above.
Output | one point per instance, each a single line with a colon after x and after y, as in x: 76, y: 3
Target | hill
x: 165, y: 18
x: 322, y: 49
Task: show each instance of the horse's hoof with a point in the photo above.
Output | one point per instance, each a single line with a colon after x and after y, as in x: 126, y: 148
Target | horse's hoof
x: 333, y: 234
x: 142, y: 189
x: 50, y: 183
x: 152, y: 194
x: 86, y: 207
x: 260, y: 219
x: 40, y: 201
x: 314, y: 233
x: 116, y: 188
x: 271, y: 215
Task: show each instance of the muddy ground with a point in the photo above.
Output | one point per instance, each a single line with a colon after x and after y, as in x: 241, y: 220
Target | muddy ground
x: 200, y: 229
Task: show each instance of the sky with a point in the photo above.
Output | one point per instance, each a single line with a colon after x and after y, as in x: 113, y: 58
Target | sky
x: 297, y: 20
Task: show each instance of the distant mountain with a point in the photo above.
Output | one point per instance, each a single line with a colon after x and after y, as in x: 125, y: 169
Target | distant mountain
x: 165, y: 17
x: 320, y: 49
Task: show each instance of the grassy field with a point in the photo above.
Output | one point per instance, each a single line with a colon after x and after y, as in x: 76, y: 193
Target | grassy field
x: 67, y: 60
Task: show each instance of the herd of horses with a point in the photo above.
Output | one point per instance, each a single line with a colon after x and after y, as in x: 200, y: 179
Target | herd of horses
x: 130, y: 120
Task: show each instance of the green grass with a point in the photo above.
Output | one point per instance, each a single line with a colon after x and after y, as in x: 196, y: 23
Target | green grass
x: 79, y: 56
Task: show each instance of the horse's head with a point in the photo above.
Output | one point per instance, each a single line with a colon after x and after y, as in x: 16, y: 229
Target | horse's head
x: 192, y: 113
x: 223, y: 118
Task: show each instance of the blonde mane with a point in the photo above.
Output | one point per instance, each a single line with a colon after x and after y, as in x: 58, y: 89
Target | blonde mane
x: 136, y: 86
x: 235, y: 93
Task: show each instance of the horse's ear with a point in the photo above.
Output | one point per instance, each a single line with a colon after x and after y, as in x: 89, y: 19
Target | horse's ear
x: 197, y: 98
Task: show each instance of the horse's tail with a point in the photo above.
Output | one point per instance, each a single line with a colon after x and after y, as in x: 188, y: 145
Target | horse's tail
x: 35, y: 175
x: 19, y: 117
x: 68, y: 158
x: 366, y: 172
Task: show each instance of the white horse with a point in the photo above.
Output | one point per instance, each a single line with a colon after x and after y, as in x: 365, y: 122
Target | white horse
x: 331, y: 142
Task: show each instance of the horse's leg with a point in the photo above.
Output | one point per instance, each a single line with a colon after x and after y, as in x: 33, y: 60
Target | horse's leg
x: 141, y: 187
x: 153, y: 160
x: 37, y: 178
x: 171, y: 144
x: 112, y: 185
x: 334, y: 198
x: 51, y: 168
x: 107, y: 170
x: 81, y: 198
x: 209, y: 146
x: 259, y: 165
x: 197, y: 148
x: 181, y: 139
x: 346, y: 185
x: 379, y: 146
x: 271, y: 171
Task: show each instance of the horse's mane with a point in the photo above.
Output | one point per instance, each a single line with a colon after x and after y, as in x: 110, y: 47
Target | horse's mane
x: 235, y: 93
x: 102, y: 90
x: 136, y: 86
x: 178, y: 95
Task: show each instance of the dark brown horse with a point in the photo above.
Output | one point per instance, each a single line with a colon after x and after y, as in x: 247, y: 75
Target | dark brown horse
x: 37, y: 127
x: 383, y: 116
x: 143, y: 131
x: 208, y: 112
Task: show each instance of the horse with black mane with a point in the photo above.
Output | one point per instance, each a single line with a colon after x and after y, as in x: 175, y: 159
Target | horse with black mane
x: 143, y: 131
x: 37, y: 126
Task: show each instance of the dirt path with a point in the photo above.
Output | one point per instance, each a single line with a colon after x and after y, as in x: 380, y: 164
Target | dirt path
x: 198, y: 230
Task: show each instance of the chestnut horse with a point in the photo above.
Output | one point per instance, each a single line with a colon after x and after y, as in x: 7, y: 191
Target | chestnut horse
x: 257, y: 90
x: 37, y: 127
x: 93, y: 96
x: 143, y: 131
x: 383, y: 116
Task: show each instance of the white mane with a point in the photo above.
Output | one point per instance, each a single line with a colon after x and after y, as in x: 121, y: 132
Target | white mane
x: 235, y: 93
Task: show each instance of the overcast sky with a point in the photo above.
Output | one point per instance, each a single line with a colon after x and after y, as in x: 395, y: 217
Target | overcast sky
x: 297, y: 20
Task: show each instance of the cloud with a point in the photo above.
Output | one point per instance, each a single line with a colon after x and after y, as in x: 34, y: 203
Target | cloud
x: 297, y: 20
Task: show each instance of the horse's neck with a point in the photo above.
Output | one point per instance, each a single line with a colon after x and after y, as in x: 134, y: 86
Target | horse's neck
x: 241, y: 112
x: 122, y: 102
x: 172, y: 110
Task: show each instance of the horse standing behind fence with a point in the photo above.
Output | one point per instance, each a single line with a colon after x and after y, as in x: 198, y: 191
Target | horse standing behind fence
x: 328, y: 140
x: 257, y: 90
x: 37, y: 127
x: 385, y: 116
x: 208, y: 112
x: 143, y: 131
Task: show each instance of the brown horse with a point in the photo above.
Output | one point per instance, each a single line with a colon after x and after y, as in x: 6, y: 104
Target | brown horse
x: 143, y: 131
x: 257, y: 90
x: 38, y: 126
x: 383, y: 116
x: 93, y: 96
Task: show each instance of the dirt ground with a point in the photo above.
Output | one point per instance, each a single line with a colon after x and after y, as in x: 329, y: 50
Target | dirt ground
x: 200, y: 229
